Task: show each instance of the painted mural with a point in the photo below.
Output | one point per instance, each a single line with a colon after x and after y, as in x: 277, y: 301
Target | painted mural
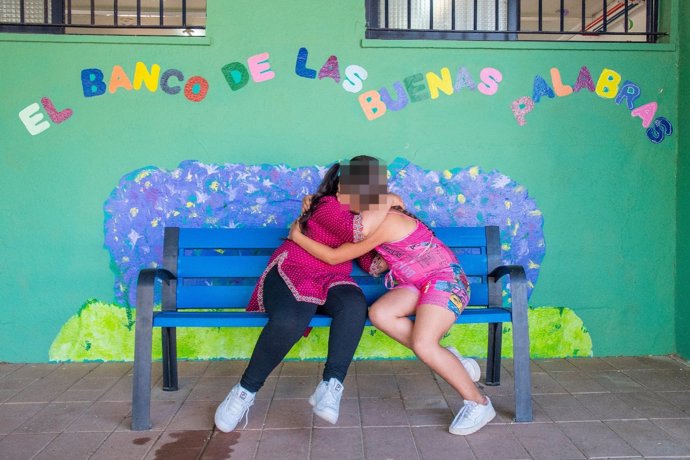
x: 196, y: 194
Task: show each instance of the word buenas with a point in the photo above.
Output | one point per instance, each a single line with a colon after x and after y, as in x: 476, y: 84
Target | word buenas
x: 420, y: 87
x: 608, y: 86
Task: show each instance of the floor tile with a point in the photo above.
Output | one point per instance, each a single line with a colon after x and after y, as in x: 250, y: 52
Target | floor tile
x: 289, y: 413
x: 87, y: 389
x: 495, y: 441
x: 337, y: 443
x: 676, y: 427
x: 418, y: 386
x: 101, y: 416
x: 661, y: 379
x: 14, y: 415
x: 607, y: 406
x: 616, y: 381
x: 389, y: 442
x: 226, y: 368
x: 300, y: 368
x: 648, y: 438
x: 21, y: 446
x: 543, y: 383
x: 563, y: 407
x: 297, y: 386
x: 125, y: 445
x: 652, y: 405
x: 595, y: 439
x: 194, y: 415
x: 428, y: 411
x: 377, y: 386
x: 436, y: 442
x: 551, y: 365
x: 180, y: 445
x: 591, y: 364
x: 545, y: 441
x: 236, y: 444
x: 383, y: 412
x: 53, y: 418
x: 73, y: 446
x: 209, y: 389
x: 285, y: 444
x: 578, y: 382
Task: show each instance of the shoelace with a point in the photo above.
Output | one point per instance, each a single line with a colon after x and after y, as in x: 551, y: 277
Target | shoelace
x: 467, y: 410
x: 236, y: 403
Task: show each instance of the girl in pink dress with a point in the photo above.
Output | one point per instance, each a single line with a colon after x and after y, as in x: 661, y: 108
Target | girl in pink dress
x: 426, y: 280
x: 295, y: 285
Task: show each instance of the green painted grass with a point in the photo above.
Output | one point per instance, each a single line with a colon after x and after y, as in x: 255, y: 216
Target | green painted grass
x: 105, y: 332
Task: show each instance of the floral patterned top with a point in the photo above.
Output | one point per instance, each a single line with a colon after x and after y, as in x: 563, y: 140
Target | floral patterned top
x: 308, y: 278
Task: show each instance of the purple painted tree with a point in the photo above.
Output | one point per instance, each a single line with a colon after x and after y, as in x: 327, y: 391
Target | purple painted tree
x: 237, y: 195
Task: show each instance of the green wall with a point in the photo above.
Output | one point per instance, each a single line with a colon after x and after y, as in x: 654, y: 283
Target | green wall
x: 607, y: 194
x: 683, y: 259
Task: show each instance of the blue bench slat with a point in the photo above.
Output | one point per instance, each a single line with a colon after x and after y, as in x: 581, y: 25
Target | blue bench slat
x: 247, y: 319
x: 221, y: 267
x: 210, y: 238
x: 214, y: 238
x: 238, y: 296
x: 461, y: 236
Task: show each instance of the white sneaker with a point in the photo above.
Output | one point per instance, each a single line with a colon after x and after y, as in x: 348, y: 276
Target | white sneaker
x: 472, y: 417
x: 328, y: 406
x: 318, y: 393
x: 235, y: 406
x: 470, y: 365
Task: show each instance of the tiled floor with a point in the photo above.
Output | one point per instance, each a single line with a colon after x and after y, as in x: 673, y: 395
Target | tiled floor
x: 629, y: 407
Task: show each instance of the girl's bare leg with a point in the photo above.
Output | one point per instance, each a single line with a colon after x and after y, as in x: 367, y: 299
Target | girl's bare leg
x: 389, y: 314
x: 431, y: 323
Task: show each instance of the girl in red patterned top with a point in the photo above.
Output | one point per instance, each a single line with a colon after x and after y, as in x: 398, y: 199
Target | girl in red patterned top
x: 295, y: 286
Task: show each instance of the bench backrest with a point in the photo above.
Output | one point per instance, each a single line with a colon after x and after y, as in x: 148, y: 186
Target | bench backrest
x: 219, y: 267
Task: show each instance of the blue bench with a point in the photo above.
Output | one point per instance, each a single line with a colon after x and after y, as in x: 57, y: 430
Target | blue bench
x: 208, y: 275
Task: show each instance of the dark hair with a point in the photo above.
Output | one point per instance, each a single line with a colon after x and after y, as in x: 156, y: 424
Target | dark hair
x: 329, y: 186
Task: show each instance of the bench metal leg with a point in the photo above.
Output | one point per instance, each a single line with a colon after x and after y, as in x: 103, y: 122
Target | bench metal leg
x: 141, y: 381
x: 521, y: 354
x: 169, y: 337
x: 493, y: 361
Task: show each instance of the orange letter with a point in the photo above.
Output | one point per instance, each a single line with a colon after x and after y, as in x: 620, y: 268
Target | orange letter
x: 372, y: 105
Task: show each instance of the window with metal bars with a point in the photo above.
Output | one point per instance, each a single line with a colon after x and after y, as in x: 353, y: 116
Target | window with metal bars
x: 104, y: 17
x: 540, y: 20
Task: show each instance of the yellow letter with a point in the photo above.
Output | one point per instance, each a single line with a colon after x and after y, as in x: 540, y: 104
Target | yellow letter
x: 444, y: 83
x: 142, y: 75
x: 607, y: 86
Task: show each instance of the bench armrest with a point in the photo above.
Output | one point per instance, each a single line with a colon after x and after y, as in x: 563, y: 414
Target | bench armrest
x: 145, y: 283
x: 521, y: 349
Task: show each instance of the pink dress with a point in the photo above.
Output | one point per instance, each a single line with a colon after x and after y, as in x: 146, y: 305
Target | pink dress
x: 423, y: 263
x: 307, y: 277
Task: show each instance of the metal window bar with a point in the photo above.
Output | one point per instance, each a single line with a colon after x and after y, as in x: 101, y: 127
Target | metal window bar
x: 549, y: 20
x: 94, y: 16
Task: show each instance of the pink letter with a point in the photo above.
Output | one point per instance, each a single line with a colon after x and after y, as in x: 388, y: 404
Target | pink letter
x: 260, y: 68
x: 490, y: 78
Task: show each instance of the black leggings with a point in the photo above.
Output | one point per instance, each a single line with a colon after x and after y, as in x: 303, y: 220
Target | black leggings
x: 288, y: 319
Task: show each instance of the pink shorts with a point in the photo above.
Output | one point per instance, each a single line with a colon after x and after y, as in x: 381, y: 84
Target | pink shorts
x: 451, y: 294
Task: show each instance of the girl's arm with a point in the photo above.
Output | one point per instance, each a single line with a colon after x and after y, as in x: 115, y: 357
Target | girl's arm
x: 343, y: 253
x: 372, y: 218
